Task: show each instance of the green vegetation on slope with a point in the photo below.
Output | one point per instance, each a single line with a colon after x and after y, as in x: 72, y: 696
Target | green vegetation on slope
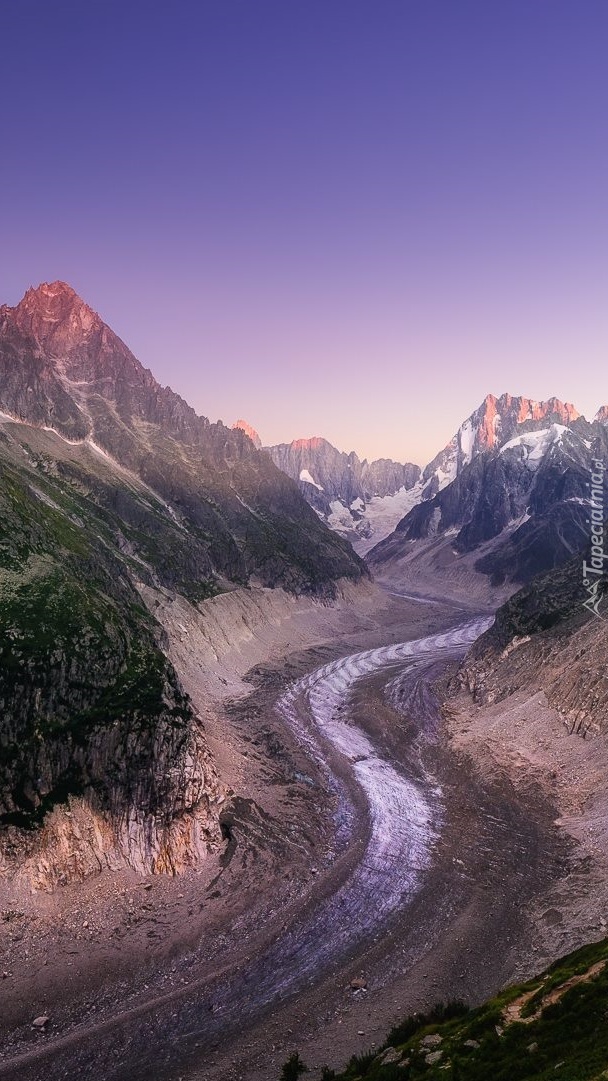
x: 554, y: 1026
x: 84, y: 686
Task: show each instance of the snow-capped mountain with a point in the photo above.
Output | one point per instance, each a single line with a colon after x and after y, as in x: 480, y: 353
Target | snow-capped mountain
x: 364, y: 501
x: 491, y: 425
x: 359, y: 499
x: 515, y: 481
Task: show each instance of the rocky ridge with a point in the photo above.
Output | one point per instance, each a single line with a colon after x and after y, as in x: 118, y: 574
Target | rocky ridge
x: 111, y: 486
x: 62, y: 367
x: 243, y: 426
x: 521, y: 485
x: 492, y: 425
x: 544, y: 639
x: 341, y: 487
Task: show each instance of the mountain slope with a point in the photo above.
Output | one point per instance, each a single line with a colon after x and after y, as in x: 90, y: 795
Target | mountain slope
x: 551, y: 1026
x: 92, y: 712
x: 62, y: 367
x: 110, y: 484
x: 521, y: 490
x: 544, y: 638
x: 360, y: 500
x: 492, y: 425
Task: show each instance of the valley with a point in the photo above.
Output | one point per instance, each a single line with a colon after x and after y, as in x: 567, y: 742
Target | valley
x: 331, y: 911
x: 258, y: 795
x: 304, y: 541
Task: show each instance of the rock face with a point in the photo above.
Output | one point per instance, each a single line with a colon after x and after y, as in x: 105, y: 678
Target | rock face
x: 519, y: 486
x: 544, y: 639
x: 492, y: 425
x: 61, y: 367
x: 93, y: 716
x: 243, y: 426
x: 338, y: 475
x: 340, y: 486
x: 110, y: 484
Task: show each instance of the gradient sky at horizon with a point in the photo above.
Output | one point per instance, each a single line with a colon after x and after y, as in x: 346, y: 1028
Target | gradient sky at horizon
x: 330, y: 218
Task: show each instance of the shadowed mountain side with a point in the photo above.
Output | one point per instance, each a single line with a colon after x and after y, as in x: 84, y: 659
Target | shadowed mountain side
x: 545, y: 638
x: 110, y: 484
x: 360, y: 500
x: 93, y: 713
x: 61, y: 367
x: 529, y: 496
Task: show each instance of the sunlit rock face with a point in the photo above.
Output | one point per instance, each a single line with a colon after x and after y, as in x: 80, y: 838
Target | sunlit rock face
x: 513, y: 484
x: 355, y: 497
x: 61, y: 367
x: 251, y: 432
x: 491, y: 425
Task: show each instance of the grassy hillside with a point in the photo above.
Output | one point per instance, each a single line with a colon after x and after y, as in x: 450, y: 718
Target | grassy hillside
x: 90, y: 705
x: 554, y: 1026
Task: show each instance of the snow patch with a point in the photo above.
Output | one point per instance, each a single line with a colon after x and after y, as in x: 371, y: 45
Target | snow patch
x: 383, y: 513
x: 340, y: 517
x: 467, y: 441
x: 536, y: 444
x: 306, y: 477
x: 447, y: 475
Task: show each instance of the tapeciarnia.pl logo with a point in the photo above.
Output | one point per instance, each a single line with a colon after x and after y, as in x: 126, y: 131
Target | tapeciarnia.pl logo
x: 594, y: 571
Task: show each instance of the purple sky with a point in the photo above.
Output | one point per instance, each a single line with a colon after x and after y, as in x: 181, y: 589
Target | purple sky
x: 330, y: 217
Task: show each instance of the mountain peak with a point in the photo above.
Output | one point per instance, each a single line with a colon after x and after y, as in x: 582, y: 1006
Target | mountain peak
x: 51, y: 289
x: 314, y: 442
x: 248, y: 430
x: 497, y: 418
x: 516, y: 410
x: 55, y: 316
x: 50, y: 296
x: 495, y: 422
